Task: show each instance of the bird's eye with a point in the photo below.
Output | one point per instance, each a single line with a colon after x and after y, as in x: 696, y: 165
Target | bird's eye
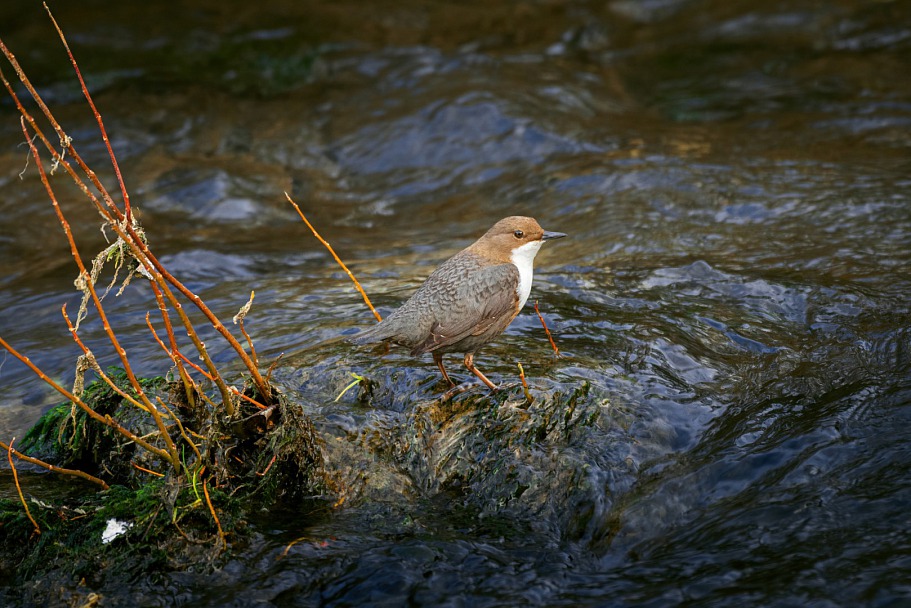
x: 518, y: 234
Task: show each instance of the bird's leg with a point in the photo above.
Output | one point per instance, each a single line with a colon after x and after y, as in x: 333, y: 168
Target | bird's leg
x: 438, y: 359
x: 469, y: 363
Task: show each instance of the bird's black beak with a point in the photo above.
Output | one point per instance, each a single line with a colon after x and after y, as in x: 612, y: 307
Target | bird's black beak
x: 552, y: 235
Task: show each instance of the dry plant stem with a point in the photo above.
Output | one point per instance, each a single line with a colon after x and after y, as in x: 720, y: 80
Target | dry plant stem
x: 528, y: 396
x: 231, y: 388
x: 52, y: 468
x: 106, y: 420
x: 272, y: 367
x: 200, y: 348
x: 291, y: 544
x: 104, y: 133
x: 547, y: 331
x: 191, y: 333
x: 149, y: 406
x: 9, y: 455
x: 184, y: 377
x: 134, y: 238
x: 145, y: 470
x: 269, y: 466
x: 123, y: 228
x: 221, y: 533
x: 337, y: 259
x: 243, y: 330
x: 239, y: 319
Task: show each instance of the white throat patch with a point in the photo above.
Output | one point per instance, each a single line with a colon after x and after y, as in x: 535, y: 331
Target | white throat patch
x: 523, y: 257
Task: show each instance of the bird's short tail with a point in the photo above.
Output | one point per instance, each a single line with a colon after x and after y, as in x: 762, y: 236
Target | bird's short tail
x: 377, y: 333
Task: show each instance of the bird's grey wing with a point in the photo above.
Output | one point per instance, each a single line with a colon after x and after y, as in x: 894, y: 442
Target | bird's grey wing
x: 489, y: 298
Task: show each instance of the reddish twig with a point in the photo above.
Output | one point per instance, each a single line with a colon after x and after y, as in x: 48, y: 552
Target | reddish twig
x: 337, y: 259
x: 272, y: 367
x: 127, y: 232
x: 184, y: 377
x: 547, y: 331
x: 9, y: 456
x: 104, y: 133
x: 123, y: 225
x: 183, y: 431
x: 221, y: 533
x: 239, y: 320
x: 269, y: 466
x: 145, y: 470
x: 528, y: 396
x: 52, y: 468
x: 95, y: 367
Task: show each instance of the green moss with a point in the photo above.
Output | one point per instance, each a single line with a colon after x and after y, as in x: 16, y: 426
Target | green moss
x: 68, y: 437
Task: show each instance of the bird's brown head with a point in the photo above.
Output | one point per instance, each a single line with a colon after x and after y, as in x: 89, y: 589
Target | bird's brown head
x: 510, y: 234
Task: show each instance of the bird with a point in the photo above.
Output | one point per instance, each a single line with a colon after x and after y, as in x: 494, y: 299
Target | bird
x: 470, y: 299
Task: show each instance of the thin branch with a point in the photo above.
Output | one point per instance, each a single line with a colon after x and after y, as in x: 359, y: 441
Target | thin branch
x: 145, y: 470
x: 183, y: 431
x: 221, y: 533
x: 93, y: 363
x: 9, y: 456
x: 272, y: 367
x: 53, y: 468
x: 269, y: 466
x: 334, y: 255
x: 239, y: 320
x: 528, y: 396
x: 547, y: 331
x: 184, y: 377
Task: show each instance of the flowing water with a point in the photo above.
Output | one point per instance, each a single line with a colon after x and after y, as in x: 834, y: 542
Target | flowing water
x: 732, y: 302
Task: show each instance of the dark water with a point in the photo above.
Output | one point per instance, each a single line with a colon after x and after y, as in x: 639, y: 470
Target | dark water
x: 736, y: 181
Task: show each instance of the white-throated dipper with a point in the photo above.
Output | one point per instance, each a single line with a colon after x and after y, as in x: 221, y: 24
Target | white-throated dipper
x: 470, y: 299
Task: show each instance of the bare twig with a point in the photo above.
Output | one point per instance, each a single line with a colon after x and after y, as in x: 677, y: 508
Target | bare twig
x: 184, y: 377
x: 334, y: 255
x: 183, y: 431
x: 145, y: 470
x: 53, y: 468
x: 93, y: 364
x: 272, y: 367
x: 269, y: 466
x: 221, y: 533
x: 547, y: 331
x: 528, y: 396
x: 239, y: 320
x: 9, y: 456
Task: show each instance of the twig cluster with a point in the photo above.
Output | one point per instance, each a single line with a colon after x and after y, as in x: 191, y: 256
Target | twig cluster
x: 132, y: 251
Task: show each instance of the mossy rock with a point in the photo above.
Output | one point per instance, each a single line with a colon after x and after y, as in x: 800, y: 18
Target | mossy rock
x: 68, y: 437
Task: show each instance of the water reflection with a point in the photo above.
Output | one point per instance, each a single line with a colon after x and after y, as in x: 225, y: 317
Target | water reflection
x: 734, y: 294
